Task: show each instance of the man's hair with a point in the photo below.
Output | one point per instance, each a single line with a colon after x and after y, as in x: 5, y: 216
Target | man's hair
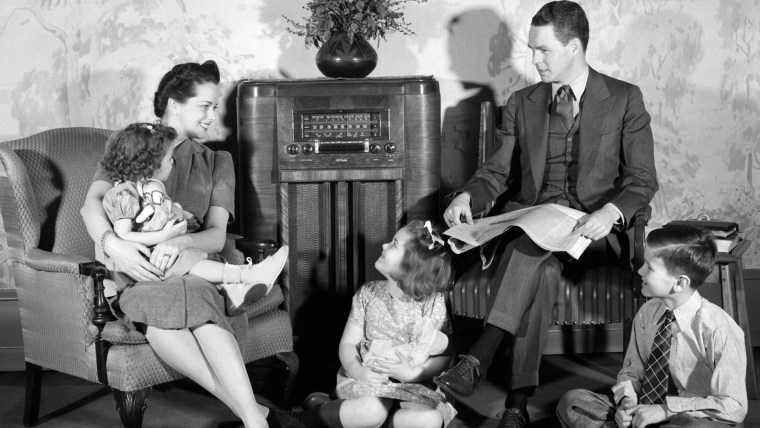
x: 567, y: 18
x: 684, y: 250
x: 424, y: 271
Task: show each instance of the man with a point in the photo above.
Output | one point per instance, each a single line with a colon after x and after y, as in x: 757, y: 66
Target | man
x: 580, y: 139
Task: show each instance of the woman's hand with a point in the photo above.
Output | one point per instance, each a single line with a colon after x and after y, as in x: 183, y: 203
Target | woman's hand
x: 401, y: 370
x: 131, y: 258
x: 165, y: 254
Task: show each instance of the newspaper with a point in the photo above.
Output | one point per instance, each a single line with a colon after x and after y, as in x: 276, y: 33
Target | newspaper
x: 550, y: 226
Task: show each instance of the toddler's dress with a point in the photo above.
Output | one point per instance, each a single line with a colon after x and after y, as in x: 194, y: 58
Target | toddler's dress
x: 124, y: 200
x: 383, y: 317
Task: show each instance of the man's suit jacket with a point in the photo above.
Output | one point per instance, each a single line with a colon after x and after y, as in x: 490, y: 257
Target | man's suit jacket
x: 616, y: 152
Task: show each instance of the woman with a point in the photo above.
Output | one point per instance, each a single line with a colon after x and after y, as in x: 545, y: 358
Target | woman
x: 183, y: 317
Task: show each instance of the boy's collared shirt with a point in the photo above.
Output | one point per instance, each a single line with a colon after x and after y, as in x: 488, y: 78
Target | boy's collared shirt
x: 707, y: 360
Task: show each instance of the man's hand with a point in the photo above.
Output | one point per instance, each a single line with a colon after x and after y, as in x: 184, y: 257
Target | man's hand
x: 623, y: 415
x: 459, y: 206
x: 598, y: 224
x: 131, y: 259
x: 648, y: 414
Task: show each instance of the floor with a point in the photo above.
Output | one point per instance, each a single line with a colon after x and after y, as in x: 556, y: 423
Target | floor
x: 71, y: 402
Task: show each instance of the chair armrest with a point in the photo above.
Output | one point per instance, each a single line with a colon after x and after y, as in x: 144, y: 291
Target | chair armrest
x: 45, y: 261
x: 101, y: 314
x: 640, y: 220
x: 256, y: 249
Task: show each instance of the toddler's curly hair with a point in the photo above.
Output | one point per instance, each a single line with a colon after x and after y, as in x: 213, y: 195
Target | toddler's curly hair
x: 135, y: 153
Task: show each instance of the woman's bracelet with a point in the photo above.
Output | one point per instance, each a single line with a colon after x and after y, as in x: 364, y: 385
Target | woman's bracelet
x: 103, y: 238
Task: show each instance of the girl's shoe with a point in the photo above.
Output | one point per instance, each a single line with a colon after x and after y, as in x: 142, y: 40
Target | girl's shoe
x: 267, y: 270
x: 241, y: 296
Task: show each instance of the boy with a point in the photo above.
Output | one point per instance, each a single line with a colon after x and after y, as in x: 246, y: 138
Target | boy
x: 696, y: 374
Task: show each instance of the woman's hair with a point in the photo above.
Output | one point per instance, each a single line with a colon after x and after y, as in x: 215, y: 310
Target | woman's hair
x: 180, y: 83
x: 567, y: 18
x: 136, y: 152
x: 684, y: 250
x: 426, y: 266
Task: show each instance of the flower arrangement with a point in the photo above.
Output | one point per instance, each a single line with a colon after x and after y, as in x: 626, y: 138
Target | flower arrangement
x: 368, y: 19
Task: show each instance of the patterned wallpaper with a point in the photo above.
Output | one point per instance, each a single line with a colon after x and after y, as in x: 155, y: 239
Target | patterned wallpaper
x: 97, y: 63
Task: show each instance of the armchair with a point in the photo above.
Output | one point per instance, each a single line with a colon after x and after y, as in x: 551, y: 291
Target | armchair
x: 66, y: 324
x: 594, y: 311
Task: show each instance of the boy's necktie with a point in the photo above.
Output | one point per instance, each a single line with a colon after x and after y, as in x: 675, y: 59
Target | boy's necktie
x: 564, y: 103
x: 657, y: 374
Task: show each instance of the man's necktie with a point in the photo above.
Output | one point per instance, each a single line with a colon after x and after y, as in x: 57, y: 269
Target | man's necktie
x: 657, y: 375
x: 564, y: 103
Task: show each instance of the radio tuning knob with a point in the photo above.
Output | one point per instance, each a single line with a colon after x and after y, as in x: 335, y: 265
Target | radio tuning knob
x: 374, y: 148
x: 292, y: 149
x: 390, y: 147
x: 308, y: 149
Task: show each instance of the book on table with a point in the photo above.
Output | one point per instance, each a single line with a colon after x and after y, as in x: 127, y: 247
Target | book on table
x: 726, y: 233
x: 550, y: 226
x: 719, y: 229
x: 725, y: 245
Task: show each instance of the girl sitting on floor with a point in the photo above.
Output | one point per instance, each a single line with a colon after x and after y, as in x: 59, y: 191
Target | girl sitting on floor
x: 406, y: 315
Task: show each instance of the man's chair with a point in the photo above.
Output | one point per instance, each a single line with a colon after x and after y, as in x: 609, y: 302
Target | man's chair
x: 593, y: 313
x: 66, y: 323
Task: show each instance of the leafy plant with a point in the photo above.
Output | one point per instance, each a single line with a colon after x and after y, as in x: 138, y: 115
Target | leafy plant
x: 368, y: 19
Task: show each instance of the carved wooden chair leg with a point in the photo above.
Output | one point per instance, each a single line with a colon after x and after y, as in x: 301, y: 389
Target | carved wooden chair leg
x: 291, y: 361
x: 33, y: 387
x: 131, y: 406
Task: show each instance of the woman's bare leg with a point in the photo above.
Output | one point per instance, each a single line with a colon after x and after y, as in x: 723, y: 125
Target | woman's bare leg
x: 223, y: 355
x: 181, y: 350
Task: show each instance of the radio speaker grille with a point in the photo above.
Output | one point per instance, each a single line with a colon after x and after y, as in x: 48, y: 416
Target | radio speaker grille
x: 335, y: 231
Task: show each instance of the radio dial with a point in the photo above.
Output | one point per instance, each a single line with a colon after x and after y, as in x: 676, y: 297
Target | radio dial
x: 292, y: 149
x: 308, y: 149
x: 390, y: 148
x: 374, y: 148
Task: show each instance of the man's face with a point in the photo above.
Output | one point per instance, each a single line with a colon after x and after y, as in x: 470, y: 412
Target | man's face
x: 553, y: 60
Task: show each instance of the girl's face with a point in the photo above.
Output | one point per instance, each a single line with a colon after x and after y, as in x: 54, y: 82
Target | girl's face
x: 389, y: 261
x: 167, y: 164
x: 193, y: 118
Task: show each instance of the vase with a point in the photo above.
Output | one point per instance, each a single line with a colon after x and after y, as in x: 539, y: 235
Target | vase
x: 339, y: 57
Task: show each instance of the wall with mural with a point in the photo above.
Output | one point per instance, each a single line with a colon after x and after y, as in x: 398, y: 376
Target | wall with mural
x: 97, y: 63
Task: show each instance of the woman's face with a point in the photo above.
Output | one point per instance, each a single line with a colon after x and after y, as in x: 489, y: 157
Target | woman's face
x: 193, y: 118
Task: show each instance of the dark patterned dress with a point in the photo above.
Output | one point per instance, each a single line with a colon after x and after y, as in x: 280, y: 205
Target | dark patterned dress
x: 382, y: 316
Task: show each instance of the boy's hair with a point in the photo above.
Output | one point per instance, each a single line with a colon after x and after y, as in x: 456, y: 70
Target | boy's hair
x: 568, y: 19
x: 136, y: 152
x: 684, y: 250
x: 424, y: 271
x: 180, y: 83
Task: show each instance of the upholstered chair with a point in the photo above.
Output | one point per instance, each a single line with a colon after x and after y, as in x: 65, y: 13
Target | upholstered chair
x: 66, y: 325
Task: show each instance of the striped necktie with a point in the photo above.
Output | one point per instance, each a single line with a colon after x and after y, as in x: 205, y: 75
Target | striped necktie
x: 657, y: 375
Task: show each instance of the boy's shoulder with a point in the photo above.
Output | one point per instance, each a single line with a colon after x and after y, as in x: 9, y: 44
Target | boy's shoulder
x: 713, y: 316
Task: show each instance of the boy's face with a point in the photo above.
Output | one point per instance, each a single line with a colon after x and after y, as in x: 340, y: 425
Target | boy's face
x: 656, y: 281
